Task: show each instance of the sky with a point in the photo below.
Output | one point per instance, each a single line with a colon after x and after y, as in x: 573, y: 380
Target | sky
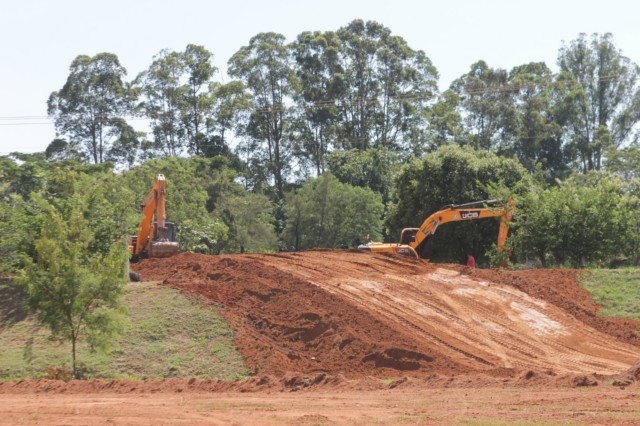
x: 40, y: 38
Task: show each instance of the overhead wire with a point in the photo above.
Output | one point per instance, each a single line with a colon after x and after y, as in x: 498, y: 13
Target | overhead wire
x: 328, y: 103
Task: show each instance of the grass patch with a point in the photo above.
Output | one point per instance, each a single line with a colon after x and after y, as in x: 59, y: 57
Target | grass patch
x: 168, y: 335
x: 616, y: 290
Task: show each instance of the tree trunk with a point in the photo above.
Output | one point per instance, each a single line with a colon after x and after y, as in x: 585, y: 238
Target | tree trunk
x: 73, y: 356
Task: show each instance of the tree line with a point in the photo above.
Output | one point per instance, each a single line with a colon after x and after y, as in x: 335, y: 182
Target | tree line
x: 341, y: 136
x: 290, y: 104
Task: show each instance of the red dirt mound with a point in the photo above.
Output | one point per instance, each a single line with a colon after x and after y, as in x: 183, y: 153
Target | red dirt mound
x: 284, y: 323
x: 358, y: 314
x: 561, y: 287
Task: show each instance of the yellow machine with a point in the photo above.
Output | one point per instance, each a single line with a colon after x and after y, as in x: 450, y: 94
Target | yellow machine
x: 156, y: 236
x: 416, y: 242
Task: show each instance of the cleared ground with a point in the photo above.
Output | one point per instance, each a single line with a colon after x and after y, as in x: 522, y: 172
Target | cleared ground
x: 461, y: 406
x: 337, y: 337
x: 358, y: 314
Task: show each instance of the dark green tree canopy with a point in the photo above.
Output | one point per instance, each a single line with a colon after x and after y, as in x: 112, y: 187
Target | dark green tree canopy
x: 605, y: 107
x: 265, y: 68
x: 90, y: 107
x: 453, y: 175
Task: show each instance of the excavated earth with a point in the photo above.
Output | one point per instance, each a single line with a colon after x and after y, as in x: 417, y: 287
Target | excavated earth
x: 373, y: 339
x: 352, y: 314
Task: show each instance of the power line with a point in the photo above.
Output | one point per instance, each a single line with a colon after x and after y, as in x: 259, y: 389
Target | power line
x: 27, y: 120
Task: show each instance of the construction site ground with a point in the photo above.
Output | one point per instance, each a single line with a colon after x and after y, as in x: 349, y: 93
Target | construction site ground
x: 343, y: 337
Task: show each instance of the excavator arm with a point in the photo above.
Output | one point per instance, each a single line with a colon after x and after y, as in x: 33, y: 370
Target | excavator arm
x: 416, y: 241
x: 461, y: 212
x: 153, y: 238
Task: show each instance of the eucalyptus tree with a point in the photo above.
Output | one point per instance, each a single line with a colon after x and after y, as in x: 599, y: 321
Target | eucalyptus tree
x: 163, y: 95
x: 538, y: 132
x: 445, y: 121
x: 487, y: 106
x: 197, y: 105
x: 264, y: 66
x: 604, y: 109
x: 90, y: 107
x: 388, y: 86
x: 230, y: 105
x: 319, y: 71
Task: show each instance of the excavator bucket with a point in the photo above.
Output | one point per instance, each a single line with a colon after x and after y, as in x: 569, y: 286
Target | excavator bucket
x: 163, y: 249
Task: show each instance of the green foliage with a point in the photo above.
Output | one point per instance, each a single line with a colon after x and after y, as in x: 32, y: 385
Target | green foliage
x: 250, y: 221
x: 264, y: 66
x: 89, y: 107
x: 603, y: 110
x: 207, y: 237
x: 374, y: 168
x: 327, y: 213
x: 629, y: 240
x: 387, y: 87
x: 110, y: 207
x: 490, y: 116
x: 453, y: 175
x: 624, y: 162
x: 72, y: 284
x: 578, y: 222
x: 319, y: 72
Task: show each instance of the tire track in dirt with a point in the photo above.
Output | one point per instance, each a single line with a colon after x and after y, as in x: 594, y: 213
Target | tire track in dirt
x: 525, y: 352
x: 357, y: 313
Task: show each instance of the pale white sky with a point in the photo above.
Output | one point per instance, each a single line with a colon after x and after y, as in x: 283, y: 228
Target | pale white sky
x: 40, y: 38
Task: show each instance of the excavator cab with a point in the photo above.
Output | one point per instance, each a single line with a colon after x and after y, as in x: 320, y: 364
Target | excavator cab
x: 408, y: 235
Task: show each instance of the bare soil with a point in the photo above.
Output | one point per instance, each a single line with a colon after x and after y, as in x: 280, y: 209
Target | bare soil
x: 358, y: 314
x: 405, y: 404
x: 341, y: 337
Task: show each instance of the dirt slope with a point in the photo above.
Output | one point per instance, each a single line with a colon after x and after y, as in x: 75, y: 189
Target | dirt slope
x: 361, y: 314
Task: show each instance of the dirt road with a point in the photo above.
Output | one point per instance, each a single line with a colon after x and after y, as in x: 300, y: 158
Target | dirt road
x: 566, y: 406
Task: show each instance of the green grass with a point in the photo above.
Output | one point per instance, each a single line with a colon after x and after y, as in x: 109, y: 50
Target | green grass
x: 617, y: 290
x: 168, y: 335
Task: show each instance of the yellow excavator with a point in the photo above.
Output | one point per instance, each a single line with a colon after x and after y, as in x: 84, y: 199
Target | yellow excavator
x: 416, y: 242
x: 156, y: 237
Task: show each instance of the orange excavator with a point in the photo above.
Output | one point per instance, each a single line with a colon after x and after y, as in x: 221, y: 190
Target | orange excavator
x: 156, y: 237
x: 416, y: 242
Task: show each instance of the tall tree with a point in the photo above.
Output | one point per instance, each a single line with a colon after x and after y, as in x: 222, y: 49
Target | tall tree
x: 230, y: 105
x: 163, y: 96
x: 90, y: 106
x: 388, y: 84
x: 445, y: 120
x: 538, y: 133
x: 265, y: 68
x: 319, y: 71
x: 328, y: 213
x: 488, y: 106
x: 605, y: 106
x: 197, y: 104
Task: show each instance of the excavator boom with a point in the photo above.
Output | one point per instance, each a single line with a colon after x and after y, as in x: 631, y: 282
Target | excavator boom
x: 155, y: 238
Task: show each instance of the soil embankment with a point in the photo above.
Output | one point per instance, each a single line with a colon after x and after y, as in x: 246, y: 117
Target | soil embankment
x: 358, y: 314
